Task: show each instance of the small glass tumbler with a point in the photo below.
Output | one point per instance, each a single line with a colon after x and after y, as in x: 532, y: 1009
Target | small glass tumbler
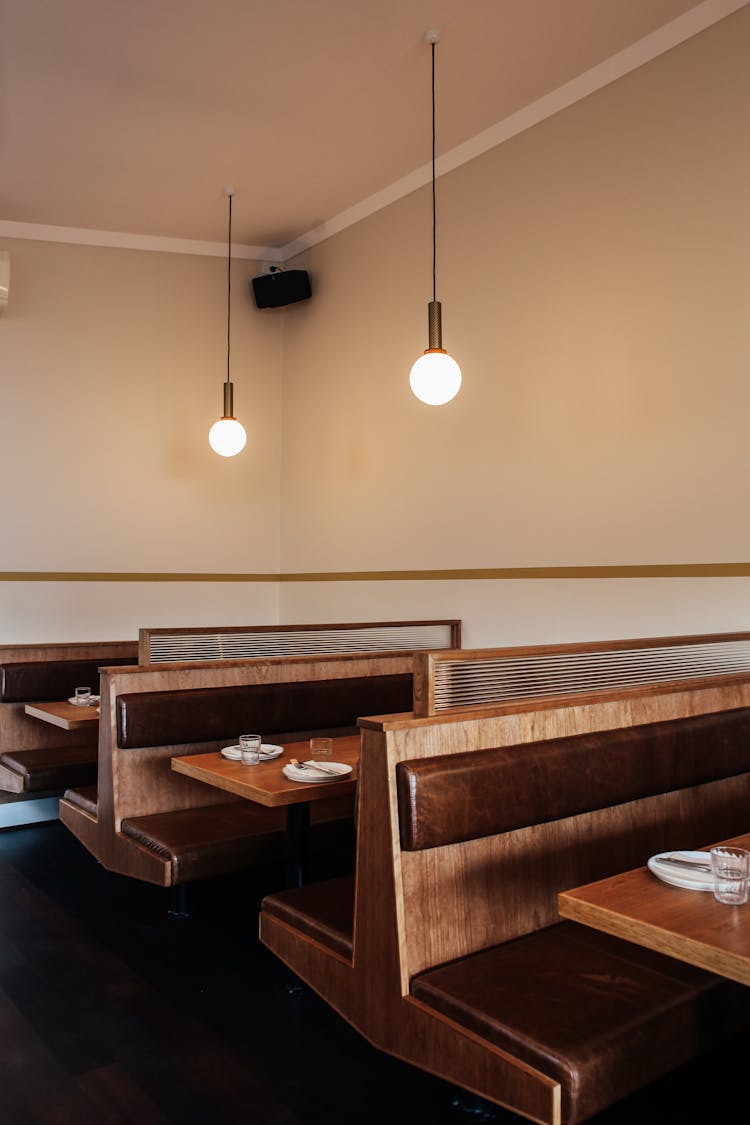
x: 83, y: 696
x: 250, y: 749
x: 321, y: 748
x: 730, y: 868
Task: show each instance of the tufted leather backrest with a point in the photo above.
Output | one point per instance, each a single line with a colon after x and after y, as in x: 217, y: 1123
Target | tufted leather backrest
x: 163, y: 718
x: 458, y: 797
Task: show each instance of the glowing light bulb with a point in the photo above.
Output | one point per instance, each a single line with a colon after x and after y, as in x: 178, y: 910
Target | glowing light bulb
x: 227, y: 437
x: 435, y: 378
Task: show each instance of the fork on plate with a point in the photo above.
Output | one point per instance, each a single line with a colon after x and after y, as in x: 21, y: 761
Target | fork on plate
x: 303, y: 766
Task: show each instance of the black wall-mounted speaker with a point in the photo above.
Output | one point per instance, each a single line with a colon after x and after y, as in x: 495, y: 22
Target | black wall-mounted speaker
x: 281, y: 287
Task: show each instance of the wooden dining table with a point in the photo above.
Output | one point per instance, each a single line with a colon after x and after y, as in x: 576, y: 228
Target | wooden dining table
x: 69, y: 716
x: 266, y: 784
x: 689, y: 925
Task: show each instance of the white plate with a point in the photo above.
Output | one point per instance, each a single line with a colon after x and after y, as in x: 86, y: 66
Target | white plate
x: 93, y: 699
x: 313, y: 774
x: 682, y: 876
x: 267, y: 752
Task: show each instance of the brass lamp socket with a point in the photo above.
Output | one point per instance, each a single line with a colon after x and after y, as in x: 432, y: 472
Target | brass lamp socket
x: 435, y: 325
x: 229, y: 400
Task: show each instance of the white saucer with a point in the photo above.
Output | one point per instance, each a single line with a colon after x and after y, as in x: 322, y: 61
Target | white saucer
x: 267, y: 752
x: 682, y: 876
x: 92, y: 700
x: 294, y: 773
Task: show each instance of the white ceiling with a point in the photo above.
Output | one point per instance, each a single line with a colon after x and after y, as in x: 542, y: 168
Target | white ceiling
x: 132, y: 116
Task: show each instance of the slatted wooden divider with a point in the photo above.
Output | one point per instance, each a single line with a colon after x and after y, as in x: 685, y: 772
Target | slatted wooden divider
x: 451, y: 682
x: 169, y: 645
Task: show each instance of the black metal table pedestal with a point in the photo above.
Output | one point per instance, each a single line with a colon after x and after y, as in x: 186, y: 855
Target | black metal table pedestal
x: 297, y: 824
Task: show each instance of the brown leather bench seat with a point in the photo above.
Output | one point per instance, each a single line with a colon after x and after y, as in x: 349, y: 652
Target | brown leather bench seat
x: 601, y: 1016
x: 322, y: 911
x: 52, y: 767
x: 210, y: 840
x: 84, y: 797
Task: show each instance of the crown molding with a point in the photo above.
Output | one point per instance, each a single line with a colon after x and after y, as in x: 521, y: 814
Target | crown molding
x: 120, y: 240
x: 617, y: 66
x: 643, y: 51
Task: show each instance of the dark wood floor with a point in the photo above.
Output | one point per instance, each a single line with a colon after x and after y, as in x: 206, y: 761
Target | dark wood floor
x: 114, y: 1013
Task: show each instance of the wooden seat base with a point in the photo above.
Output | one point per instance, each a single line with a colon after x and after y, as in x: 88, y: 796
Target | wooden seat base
x: 321, y: 911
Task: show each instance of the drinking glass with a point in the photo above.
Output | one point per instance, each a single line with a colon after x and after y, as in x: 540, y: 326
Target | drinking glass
x: 83, y: 696
x: 321, y: 748
x: 250, y: 749
x: 730, y: 868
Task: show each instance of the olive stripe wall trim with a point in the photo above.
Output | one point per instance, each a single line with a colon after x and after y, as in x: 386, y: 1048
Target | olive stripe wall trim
x: 658, y: 570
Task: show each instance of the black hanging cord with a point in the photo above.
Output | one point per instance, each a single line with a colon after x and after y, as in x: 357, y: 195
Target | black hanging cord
x: 434, y: 219
x: 229, y: 281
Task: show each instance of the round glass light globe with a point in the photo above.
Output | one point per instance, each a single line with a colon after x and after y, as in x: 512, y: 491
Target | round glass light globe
x: 435, y: 378
x: 227, y: 437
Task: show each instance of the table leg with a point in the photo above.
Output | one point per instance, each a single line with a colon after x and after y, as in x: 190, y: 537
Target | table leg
x: 297, y: 823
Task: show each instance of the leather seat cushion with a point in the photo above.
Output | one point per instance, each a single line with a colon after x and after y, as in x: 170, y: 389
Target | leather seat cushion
x: 211, y: 840
x: 85, y: 797
x: 53, y: 767
x: 322, y: 911
x: 601, y: 1016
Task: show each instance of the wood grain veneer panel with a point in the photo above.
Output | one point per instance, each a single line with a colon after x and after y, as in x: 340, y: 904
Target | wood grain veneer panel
x: 231, y: 673
x: 469, y: 896
x: 83, y: 826
x: 83, y: 650
x: 145, y: 783
x: 10, y: 781
x: 471, y: 654
x: 424, y: 680
x: 444, y: 1048
x: 447, y: 899
x: 19, y: 731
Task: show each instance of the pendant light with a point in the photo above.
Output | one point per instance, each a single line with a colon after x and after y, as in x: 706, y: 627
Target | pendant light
x: 435, y: 378
x: 227, y: 437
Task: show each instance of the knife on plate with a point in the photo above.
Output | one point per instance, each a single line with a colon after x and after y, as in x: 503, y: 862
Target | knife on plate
x: 680, y: 861
x: 317, y: 766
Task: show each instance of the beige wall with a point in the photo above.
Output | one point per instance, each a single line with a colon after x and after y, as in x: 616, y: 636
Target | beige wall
x: 594, y: 273
x: 112, y: 363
